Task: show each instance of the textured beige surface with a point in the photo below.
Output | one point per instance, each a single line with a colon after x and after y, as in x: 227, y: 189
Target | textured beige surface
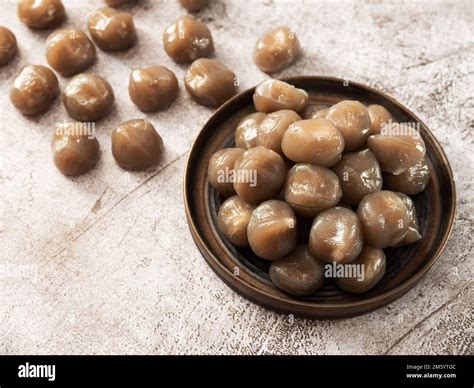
x: 114, y: 266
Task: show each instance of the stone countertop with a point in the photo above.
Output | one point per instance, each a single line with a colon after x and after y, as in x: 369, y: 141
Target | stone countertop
x: 105, y: 263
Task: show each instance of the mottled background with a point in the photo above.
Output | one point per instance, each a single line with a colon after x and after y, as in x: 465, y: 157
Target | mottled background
x: 113, y: 266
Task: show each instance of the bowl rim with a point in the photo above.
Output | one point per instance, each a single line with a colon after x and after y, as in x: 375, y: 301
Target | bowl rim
x: 232, y: 280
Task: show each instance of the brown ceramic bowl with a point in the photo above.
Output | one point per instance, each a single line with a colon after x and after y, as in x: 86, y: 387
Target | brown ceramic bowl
x: 248, y: 275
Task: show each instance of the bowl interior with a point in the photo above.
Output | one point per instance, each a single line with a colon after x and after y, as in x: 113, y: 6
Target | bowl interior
x: 248, y: 274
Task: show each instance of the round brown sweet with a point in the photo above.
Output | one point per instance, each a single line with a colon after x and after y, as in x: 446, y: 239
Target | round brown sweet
x: 233, y: 219
x: 379, y: 116
x: 314, y: 141
x: 413, y: 233
x: 400, y: 148
x: 359, y: 175
x: 69, y: 51
x: 220, y: 169
x: 384, y: 218
x: 194, y: 5
x: 336, y: 236
x: 247, y: 129
x: 260, y: 174
x: 209, y: 82
x: 413, y: 181
x: 152, y: 88
x: 321, y: 113
x: 112, y: 30
x: 374, y: 265
x: 272, y: 230
x: 136, y: 145
x: 276, y: 49
x: 75, y: 152
x: 313, y: 111
x: 88, y: 97
x: 273, y: 127
x: 41, y: 14
x: 272, y: 95
x: 298, y: 273
x: 353, y: 121
x: 34, y: 90
x: 311, y: 189
x: 8, y: 46
x: 187, y: 40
